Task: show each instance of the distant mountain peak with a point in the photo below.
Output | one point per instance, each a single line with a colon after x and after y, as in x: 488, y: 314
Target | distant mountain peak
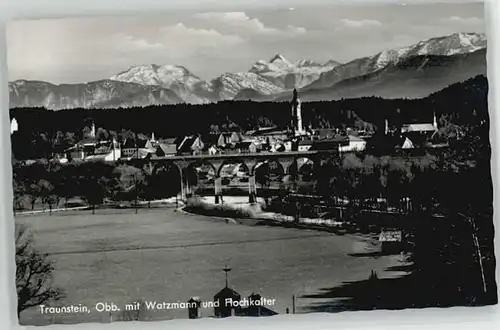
x: 156, y: 69
x: 332, y: 63
x: 278, y: 58
x: 307, y: 63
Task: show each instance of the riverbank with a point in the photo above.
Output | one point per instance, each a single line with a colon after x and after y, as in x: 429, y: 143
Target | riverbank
x: 158, y: 202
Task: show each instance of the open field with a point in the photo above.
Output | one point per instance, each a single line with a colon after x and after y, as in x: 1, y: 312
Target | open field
x: 159, y: 254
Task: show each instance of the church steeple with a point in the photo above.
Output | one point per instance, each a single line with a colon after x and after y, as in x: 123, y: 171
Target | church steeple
x: 92, y: 131
x: 297, y: 114
x: 226, y: 270
x: 295, y: 96
x: 434, y: 120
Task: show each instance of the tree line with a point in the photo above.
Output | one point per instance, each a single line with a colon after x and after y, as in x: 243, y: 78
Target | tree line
x: 49, y: 184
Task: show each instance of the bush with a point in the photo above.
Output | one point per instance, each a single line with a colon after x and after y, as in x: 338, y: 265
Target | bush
x: 198, y: 206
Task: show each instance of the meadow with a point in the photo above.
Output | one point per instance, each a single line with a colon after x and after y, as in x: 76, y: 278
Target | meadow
x: 159, y: 254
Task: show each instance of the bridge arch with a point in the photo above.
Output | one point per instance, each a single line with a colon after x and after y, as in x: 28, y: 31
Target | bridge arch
x: 165, y: 165
x: 239, y: 162
x: 199, y: 170
x: 166, y: 179
x: 301, y: 166
x: 268, y: 169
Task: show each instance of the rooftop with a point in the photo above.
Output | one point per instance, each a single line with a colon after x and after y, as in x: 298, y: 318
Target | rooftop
x: 391, y: 236
x: 227, y: 292
x: 306, y: 142
x: 355, y: 138
x: 428, y: 127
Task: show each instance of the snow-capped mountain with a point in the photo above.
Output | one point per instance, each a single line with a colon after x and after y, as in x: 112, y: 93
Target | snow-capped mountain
x: 189, y: 87
x: 228, y: 85
x: 287, y: 75
x: 455, y: 44
x: 96, y: 94
x: 413, y: 71
x: 412, y: 77
x: 267, y: 78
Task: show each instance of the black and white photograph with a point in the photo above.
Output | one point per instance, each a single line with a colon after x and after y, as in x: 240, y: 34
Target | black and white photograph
x: 251, y: 163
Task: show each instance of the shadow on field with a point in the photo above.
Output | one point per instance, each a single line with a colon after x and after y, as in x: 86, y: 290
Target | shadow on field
x: 425, y: 282
x: 407, y: 291
x: 375, y: 254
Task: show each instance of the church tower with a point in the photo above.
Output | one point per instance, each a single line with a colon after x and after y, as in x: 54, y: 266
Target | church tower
x: 92, y: 131
x: 297, y: 115
x: 434, y: 123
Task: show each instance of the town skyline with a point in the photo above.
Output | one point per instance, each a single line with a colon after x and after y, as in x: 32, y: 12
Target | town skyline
x: 89, y: 49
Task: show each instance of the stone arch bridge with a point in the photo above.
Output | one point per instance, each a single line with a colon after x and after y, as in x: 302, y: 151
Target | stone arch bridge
x: 290, y: 163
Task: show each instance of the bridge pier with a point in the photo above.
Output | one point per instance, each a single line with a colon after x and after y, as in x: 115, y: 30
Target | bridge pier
x: 183, y: 192
x: 252, y: 189
x: 188, y: 191
x: 185, y: 189
x: 218, y: 190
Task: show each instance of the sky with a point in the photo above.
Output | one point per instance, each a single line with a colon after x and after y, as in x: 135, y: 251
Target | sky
x: 78, y: 50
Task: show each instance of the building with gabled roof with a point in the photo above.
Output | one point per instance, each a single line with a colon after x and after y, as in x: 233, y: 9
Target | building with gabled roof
x: 355, y: 143
x: 422, y: 128
x: 407, y: 144
x: 227, y: 310
x: 132, y: 148
x: 191, y: 145
x: 324, y: 133
x: 245, y: 147
x: 305, y: 145
x: 165, y: 150
x: 334, y: 144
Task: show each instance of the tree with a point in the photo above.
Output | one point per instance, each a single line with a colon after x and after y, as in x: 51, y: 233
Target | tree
x: 69, y: 139
x: 19, y: 190
x: 48, y: 185
x: 68, y: 182
x: 48, y: 194
x: 98, y: 180
x: 31, y: 176
x: 262, y: 175
x: 214, y: 129
x: 102, y: 134
x: 126, y: 134
x: 130, y: 185
x: 86, y: 131
x: 146, y: 188
x: 33, y: 190
x: 33, y: 274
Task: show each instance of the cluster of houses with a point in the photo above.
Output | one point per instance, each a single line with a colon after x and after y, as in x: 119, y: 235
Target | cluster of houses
x: 264, y: 139
x: 268, y: 139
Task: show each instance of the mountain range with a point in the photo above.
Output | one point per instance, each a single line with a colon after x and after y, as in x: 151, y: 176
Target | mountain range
x: 414, y: 71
